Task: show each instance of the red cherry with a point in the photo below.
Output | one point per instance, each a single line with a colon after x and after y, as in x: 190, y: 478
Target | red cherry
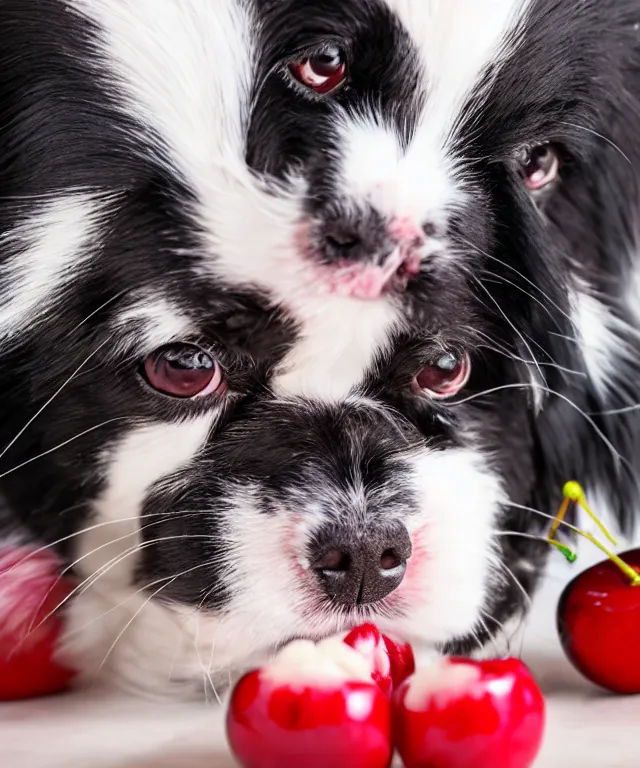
x: 403, y: 663
x: 312, y: 707
x: 391, y: 663
x: 469, y: 714
x: 30, y: 591
x: 598, y: 622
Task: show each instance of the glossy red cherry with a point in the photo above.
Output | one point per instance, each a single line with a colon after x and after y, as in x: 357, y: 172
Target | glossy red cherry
x: 391, y: 663
x: 468, y: 714
x: 313, y: 707
x: 30, y: 627
x: 599, y: 624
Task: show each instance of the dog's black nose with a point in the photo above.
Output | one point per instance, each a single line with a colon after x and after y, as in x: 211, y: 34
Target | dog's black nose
x: 358, y: 569
x: 345, y: 240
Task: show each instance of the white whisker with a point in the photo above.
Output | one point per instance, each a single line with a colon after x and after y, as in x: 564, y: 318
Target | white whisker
x: 599, y: 136
x: 52, y: 398
x: 616, y: 455
x: 87, y: 583
x: 544, y: 295
x: 60, y: 445
x: 515, y: 580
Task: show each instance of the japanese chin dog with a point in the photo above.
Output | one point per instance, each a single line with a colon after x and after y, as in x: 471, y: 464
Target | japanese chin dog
x: 307, y: 312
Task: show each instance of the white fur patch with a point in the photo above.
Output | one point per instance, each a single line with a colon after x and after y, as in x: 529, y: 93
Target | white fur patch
x: 132, y: 643
x: 451, y: 571
x: 182, y: 67
x: 417, y: 185
x: 605, y: 338
x: 456, y: 42
x: 632, y: 297
x: 599, y: 343
x: 145, y: 456
x: 150, y: 322
x: 51, y: 248
x: 338, y: 342
x: 110, y: 610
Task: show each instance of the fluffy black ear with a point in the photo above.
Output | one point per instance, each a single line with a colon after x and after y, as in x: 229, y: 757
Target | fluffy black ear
x: 589, y: 429
x: 592, y: 434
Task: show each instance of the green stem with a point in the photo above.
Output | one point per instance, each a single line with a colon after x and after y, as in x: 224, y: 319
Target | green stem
x: 569, y: 554
x: 573, y: 491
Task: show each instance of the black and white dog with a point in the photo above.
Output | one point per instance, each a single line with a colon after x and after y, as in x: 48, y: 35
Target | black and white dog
x: 303, y: 304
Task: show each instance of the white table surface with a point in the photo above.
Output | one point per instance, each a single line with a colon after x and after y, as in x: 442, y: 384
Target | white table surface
x: 93, y: 730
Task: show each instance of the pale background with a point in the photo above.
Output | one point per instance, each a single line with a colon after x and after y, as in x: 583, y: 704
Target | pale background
x: 585, y: 727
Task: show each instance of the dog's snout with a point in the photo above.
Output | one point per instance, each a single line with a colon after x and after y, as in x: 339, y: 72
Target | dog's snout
x: 359, y: 569
x: 369, y: 254
x: 344, y: 239
x: 367, y: 238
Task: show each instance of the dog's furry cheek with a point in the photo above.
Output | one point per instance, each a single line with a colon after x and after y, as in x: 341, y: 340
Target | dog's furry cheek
x: 455, y: 560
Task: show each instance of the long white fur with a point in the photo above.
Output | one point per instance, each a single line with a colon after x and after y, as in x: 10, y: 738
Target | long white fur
x: 50, y: 248
x: 599, y: 342
x: 107, y: 557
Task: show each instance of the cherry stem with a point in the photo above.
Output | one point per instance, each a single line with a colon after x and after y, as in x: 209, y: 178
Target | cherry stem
x: 559, y: 518
x: 568, y: 553
x: 573, y: 492
x: 633, y: 576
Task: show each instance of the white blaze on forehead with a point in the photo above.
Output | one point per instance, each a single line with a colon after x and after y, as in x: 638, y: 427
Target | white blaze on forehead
x: 183, y: 68
x: 416, y: 184
x: 337, y: 344
x: 50, y: 247
x: 455, y: 40
x: 145, y: 456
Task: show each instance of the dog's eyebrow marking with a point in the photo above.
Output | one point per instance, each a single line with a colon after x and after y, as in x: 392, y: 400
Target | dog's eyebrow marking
x: 149, y: 321
x: 43, y: 254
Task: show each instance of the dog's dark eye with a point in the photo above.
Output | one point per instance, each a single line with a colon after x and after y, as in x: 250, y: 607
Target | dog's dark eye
x: 183, y: 370
x: 539, y: 167
x: 445, y: 376
x: 323, y: 71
